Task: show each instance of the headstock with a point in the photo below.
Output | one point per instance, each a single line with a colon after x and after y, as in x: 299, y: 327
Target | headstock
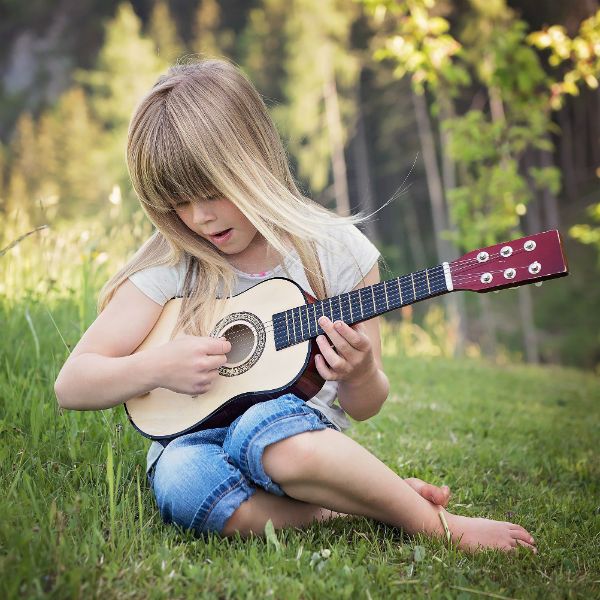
x: 524, y: 260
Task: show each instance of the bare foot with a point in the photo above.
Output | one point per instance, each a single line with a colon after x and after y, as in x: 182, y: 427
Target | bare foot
x: 478, y: 534
x: 433, y: 493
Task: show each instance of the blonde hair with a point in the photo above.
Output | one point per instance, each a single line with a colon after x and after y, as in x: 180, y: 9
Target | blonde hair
x: 203, y: 129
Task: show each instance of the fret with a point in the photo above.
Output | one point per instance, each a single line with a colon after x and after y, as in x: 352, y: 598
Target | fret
x: 428, y: 286
x: 330, y: 315
x: 300, y: 311
x: 419, y: 278
x: 287, y: 327
x: 294, y: 326
x: 346, y: 308
x: 356, y: 305
x: 350, y: 305
x: 373, y: 295
x: 368, y: 301
x: 393, y: 296
x: 405, y: 281
x: 387, y: 302
x: 412, y: 278
x: 321, y: 310
x: 362, y: 314
x: 399, y: 291
x: 335, y: 315
x: 340, y: 305
x: 380, y: 305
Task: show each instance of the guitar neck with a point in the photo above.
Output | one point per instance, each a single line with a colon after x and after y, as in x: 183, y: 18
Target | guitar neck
x: 300, y: 323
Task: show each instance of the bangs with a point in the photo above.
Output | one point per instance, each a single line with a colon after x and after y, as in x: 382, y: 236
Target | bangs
x: 173, y: 173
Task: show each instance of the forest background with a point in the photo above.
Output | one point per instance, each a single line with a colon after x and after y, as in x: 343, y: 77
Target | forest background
x: 480, y: 119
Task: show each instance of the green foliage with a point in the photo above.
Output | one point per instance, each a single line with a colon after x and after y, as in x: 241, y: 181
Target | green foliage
x: 581, y: 53
x: 126, y: 69
x: 420, y: 45
x: 324, y: 45
x: 588, y: 233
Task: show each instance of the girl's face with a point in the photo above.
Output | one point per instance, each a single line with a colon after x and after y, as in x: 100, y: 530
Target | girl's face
x: 220, y: 222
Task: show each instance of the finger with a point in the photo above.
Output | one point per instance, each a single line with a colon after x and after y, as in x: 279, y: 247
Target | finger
x: 217, y: 345
x: 356, y: 335
x: 323, y: 369
x: 215, y: 361
x: 334, y: 360
x: 341, y: 344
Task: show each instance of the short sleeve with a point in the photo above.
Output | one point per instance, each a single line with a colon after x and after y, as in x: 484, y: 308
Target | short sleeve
x: 160, y: 283
x: 347, y: 262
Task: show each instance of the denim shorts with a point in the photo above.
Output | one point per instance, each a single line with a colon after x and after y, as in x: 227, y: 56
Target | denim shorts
x: 201, y: 478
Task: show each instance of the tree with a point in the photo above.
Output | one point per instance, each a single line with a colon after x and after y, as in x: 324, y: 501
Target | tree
x: 321, y: 77
x: 163, y: 32
x: 126, y: 69
x: 416, y: 39
x: 210, y: 38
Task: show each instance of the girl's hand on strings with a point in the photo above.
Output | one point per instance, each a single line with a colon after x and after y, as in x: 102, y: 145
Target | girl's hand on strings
x: 190, y: 364
x: 350, y: 359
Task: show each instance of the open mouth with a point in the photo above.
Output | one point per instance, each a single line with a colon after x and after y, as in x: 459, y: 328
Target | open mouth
x: 222, y: 235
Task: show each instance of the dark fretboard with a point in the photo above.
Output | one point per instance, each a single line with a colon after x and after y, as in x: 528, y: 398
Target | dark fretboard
x: 300, y: 323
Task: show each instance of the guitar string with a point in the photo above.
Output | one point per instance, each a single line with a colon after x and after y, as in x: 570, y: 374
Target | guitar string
x: 380, y: 296
x: 457, y: 267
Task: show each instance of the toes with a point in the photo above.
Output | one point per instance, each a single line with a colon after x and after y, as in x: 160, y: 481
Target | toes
x: 522, y: 534
x: 526, y: 545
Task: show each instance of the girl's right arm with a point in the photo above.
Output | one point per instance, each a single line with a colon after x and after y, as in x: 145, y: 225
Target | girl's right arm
x: 102, y: 372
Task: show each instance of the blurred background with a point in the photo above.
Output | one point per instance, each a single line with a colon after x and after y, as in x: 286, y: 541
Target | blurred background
x: 478, y: 119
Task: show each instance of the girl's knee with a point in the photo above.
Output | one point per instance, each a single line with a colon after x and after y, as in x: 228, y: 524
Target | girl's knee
x: 266, y: 424
x: 290, y: 458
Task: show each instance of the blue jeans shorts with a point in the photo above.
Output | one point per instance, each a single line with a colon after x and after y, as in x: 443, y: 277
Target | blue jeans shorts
x: 201, y: 478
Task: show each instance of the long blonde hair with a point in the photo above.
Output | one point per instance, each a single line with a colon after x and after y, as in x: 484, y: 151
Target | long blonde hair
x: 203, y: 129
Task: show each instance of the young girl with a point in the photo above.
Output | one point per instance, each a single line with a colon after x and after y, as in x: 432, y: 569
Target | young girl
x: 212, y: 175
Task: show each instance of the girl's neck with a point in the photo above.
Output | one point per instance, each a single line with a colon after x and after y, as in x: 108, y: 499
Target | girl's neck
x: 258, y: 257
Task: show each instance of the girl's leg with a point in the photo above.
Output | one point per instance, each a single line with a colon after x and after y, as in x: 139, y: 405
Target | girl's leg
x: 252, y: 515
x: 329, y: 469
x: 283, y: 511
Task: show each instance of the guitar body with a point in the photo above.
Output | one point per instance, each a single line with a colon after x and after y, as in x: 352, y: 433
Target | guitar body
x: 255, y: 370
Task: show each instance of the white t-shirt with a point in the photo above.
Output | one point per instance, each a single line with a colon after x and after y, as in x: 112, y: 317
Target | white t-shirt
x: 345, y: 259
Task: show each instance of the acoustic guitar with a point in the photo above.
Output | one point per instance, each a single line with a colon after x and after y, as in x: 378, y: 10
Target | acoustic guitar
x: 272, y: 329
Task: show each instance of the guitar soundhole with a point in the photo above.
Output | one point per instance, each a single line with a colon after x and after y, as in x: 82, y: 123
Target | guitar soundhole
x: 242, y: 341
x: 247, y: 335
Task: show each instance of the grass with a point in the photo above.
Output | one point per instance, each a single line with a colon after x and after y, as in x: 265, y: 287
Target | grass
x: 513, y: 442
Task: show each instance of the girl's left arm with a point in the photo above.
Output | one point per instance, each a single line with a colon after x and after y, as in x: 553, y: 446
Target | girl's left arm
x: 355, y: 362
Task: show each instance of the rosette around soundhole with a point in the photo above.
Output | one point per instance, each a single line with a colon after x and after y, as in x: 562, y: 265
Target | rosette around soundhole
x: 246, y: 333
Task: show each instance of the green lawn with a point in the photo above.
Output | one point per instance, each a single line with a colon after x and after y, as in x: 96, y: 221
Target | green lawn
x: 513, y: 443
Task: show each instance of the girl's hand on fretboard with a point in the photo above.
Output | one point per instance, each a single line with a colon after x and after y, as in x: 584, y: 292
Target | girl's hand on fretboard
x: 351, y: 356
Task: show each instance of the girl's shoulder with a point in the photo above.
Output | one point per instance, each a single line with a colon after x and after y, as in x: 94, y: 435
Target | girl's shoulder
x: 347, y: 257
x: 161, y: 282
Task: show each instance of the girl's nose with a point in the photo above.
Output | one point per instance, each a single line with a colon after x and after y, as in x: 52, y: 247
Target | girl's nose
x: 200, y: 214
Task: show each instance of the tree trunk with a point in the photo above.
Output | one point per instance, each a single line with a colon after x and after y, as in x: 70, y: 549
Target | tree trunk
x: 438, y: 209
x: 413, y: 233
x: 361, y: 166
x: 529, y: 333
x: 432, y: 173
x: 490, y: 336
x: 566, y: 153
x: 548, y: 198
x: 456, y: 306
x: 533, y: 218
x: 334, y: 126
